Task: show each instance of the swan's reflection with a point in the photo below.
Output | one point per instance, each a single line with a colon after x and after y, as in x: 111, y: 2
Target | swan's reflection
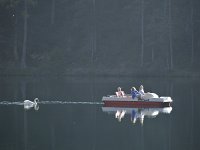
x: 136, y: 113
x: 29, y: 104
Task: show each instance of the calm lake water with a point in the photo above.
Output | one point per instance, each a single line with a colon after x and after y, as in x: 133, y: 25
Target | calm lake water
x: 70, y: 115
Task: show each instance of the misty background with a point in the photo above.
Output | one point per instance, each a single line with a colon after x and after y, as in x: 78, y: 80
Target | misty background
x: 101, y: 37
x: 46, y: 46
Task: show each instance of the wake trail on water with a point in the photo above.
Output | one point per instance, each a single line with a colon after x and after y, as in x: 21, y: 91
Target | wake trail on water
x: 11, y: 103
x: 70, y: 102
x: 52, y: 102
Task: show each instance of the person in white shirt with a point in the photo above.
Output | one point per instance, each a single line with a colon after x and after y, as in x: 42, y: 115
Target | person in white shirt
x: 119, y: 92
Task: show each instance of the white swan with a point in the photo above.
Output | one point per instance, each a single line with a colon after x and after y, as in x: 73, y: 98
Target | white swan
x: 29, y: 104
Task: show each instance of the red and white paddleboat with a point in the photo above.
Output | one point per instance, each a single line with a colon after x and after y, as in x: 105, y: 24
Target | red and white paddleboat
x: 127, y: 101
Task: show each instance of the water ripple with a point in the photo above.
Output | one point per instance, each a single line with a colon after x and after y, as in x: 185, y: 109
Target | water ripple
x: 11, y: 103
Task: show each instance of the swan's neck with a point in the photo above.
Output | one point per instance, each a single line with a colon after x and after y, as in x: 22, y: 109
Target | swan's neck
x: 35, y: 101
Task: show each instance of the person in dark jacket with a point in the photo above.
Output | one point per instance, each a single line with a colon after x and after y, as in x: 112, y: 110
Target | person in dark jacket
x: 135, y: 93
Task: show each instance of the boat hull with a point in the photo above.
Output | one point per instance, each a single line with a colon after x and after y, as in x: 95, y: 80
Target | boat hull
x: 139, y: 104
x: 113, y: 101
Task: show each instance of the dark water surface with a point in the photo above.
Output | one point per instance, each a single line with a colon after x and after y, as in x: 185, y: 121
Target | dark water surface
x: 70, y: 115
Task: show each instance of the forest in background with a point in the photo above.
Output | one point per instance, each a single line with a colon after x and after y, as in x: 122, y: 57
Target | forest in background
x: 102, y: 37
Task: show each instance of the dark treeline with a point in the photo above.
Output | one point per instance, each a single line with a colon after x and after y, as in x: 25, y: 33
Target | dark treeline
x: 146, y: 37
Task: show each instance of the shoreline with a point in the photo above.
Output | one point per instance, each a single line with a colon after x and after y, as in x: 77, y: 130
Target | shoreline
x: 99, y: 73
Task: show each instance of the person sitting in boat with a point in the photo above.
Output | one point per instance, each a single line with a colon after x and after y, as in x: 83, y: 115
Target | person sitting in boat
x: 119, y: 92
x: 135, y: 93
x: 141, y: 90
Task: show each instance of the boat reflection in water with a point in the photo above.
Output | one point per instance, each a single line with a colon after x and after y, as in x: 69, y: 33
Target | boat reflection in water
x: 136, y: 113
